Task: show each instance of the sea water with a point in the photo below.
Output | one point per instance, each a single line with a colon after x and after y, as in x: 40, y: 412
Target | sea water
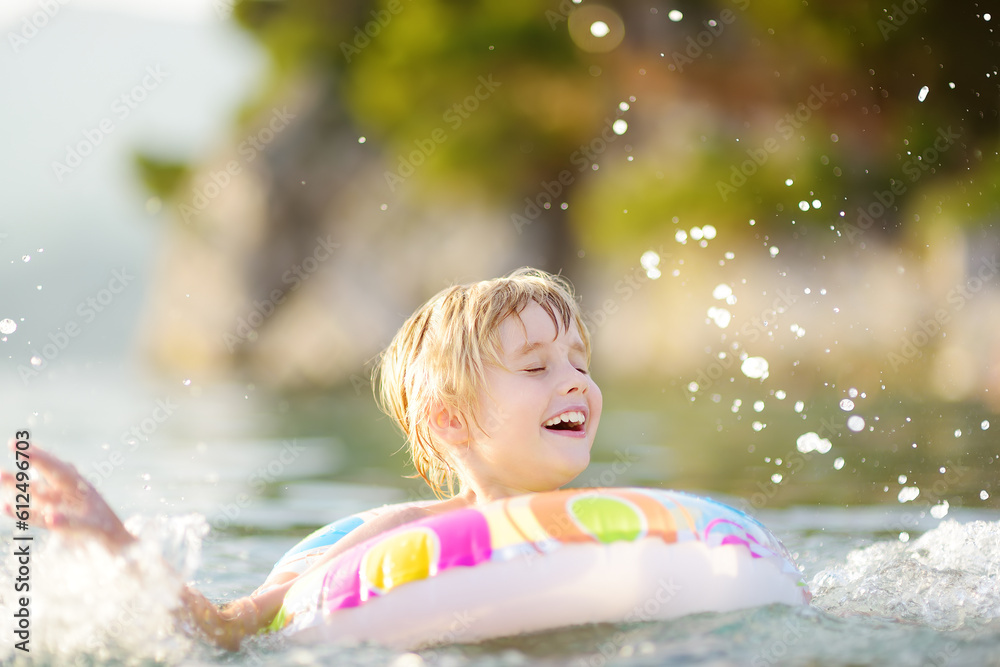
x: 934, y: 600
x: 216, y: 501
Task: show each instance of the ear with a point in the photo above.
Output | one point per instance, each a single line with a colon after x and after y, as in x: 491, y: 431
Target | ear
x: 448, y: 424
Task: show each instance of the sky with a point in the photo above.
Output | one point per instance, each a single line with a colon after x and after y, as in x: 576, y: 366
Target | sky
x: 13, y: 12
x: 63, y: 234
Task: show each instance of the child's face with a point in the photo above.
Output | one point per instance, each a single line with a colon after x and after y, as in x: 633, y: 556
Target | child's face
x: 544, y: 376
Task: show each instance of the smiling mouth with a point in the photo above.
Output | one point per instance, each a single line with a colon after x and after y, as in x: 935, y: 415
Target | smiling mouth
x: 572, y: 421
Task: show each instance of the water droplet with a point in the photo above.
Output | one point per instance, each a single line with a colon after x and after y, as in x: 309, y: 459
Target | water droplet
x: 36, y: 361
x: 676, y: 15
x: 25, y: 258
x: 817, y: 203
x: 985, y: 425
x: 755, y: 367
x: 838, y: 463
x: 922, y: 95
x: 983, y: 495
x: 720, y: 316
x: 904, y: 536
x: 799, y: 405
x: 852, y: 392
x: 758, y: 406
x: 599, y: 29
x: 908, y: 493
x: 803, y: 205
x: 958, y: 433
x: 8, y: 326
x: 855, y: 423
x: 776, y: 478
x: 623, y: 106
x: 361, y: 140
x: 780, y: 394
x: 846, y: 404
x: 940, y: 511
x: 693, y: 387
x: 722, y: 291
x: 901, y: 479
x: 811, y: 442
x: 773, y: 250
x: 757, y: 426
x: 789, y: 182
x: 681, y: 236
x: 619, y: 127
x: 187, y: 382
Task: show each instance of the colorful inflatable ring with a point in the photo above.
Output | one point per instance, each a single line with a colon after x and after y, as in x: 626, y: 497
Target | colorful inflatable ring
x: 535, y: 562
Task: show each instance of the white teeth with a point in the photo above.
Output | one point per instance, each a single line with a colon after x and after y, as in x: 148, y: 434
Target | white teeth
x: 571, y: 416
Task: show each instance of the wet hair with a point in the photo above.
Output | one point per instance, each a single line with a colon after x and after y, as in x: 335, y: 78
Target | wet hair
x: 441, y: 353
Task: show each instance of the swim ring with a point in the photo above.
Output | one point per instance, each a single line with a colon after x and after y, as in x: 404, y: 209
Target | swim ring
x: 535, y: 562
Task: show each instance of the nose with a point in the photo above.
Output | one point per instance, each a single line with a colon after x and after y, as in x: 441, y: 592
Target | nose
x: 572, y: 380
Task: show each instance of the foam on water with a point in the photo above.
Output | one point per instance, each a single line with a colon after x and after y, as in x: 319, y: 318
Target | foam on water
x: 85, y: 601
x: 947, y: 579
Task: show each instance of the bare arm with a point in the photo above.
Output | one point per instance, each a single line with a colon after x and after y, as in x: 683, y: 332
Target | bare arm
x: 68, y: 503
x: 63, y: 501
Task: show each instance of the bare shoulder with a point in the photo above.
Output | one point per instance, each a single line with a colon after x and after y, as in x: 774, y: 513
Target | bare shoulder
x: 393, y: 517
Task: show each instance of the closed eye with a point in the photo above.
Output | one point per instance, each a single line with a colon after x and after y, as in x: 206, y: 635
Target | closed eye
x: 534, y: 370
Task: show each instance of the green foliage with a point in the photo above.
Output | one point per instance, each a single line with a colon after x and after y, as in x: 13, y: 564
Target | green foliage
x: 161, y: 177
x: 707, y: 89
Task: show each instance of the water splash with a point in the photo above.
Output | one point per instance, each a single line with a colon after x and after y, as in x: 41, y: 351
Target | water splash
x: 90, y: 602
x: 948, y: 578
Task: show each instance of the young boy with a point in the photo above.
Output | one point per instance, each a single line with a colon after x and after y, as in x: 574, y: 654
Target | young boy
x: 488, y: 381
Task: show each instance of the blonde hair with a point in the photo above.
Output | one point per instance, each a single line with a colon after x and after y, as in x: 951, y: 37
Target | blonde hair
x: 441, y: 353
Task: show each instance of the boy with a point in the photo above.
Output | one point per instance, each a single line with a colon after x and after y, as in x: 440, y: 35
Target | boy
x: 488, y: 382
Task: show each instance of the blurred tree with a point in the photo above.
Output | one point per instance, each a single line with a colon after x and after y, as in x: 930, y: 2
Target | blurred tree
x: 601, y: 128
x: 823, y: 95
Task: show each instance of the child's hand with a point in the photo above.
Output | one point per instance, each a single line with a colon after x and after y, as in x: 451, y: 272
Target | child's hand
x: 62, y: 500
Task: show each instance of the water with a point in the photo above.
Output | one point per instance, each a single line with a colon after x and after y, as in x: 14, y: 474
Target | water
x: 232, y: 478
